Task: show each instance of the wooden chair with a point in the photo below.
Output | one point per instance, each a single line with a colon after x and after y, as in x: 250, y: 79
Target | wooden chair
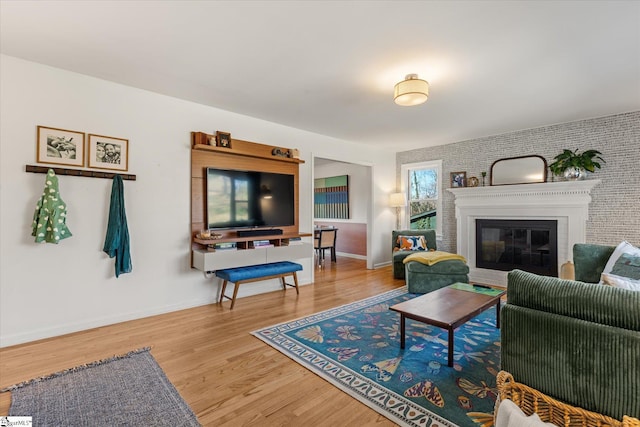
x: 325, y: 238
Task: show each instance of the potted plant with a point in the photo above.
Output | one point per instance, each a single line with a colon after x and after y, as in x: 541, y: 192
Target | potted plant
x: 573, y: 164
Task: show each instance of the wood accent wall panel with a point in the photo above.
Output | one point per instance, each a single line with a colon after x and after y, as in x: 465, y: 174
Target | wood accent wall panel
x: 351, y: 238
x: 243, y: 155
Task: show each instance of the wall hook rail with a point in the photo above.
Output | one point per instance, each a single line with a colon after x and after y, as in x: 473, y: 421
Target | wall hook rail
x: 79, y: 172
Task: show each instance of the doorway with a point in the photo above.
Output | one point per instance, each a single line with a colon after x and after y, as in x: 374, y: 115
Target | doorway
x: 352, y: 236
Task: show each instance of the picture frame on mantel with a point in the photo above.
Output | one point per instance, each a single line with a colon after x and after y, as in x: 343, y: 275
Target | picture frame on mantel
x: 60, y: 146
x: 458, y: 179
x: 223, y: 139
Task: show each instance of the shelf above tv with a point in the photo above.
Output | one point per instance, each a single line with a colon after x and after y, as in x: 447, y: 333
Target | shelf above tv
x: 239, y: 147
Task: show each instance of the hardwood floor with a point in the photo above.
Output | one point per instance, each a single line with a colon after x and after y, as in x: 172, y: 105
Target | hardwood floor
x: 227, y: 376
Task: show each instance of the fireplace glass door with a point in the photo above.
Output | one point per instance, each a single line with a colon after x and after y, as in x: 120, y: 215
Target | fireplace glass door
x: 529, y: 245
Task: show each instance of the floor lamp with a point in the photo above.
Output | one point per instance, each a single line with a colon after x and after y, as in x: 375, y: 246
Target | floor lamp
x: 397, y: 200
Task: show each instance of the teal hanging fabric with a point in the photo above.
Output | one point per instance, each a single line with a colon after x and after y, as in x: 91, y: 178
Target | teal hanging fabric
x: 49, y: 219
x: 116, y: 244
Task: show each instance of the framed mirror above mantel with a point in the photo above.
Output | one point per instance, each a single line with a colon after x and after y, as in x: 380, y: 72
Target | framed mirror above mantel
x: 519, y: 170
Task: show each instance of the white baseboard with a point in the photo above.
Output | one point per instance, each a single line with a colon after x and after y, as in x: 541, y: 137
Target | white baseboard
x: 382, y: 264
x: 346, y: 255
x: 69, y: 328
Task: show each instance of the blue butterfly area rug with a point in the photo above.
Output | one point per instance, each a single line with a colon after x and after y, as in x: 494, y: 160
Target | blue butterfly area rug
x: 356, y: 347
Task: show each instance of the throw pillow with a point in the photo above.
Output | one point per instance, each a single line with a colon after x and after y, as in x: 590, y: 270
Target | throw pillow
x: 620, y: 282
x: 627, y: 266
x: 622, y: 248
x: 412, y: 243
x: 510, y: 415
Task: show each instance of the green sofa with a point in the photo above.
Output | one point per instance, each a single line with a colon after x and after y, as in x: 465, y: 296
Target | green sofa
x: 575, y: 340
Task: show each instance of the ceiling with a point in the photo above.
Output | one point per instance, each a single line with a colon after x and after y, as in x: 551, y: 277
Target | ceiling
x: 329, y: 66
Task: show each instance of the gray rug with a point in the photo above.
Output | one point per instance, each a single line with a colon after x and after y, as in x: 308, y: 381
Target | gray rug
x: 127, y: 390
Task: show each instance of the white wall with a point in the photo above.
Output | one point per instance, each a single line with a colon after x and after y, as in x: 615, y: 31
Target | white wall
x: 46, y: 289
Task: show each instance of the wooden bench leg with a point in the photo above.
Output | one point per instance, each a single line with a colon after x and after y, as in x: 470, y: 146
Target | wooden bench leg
x: 224, y: 287
x: 235, y: 292
x: 295, y: 281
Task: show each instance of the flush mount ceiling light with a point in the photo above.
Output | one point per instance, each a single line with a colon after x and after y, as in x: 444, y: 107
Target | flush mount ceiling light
x: 411, y: 91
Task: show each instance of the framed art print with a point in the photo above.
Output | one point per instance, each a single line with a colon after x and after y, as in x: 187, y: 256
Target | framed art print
x: 60, y: 146
x: 223, y: 139
x: 458, y: 179
x: 106, y: 152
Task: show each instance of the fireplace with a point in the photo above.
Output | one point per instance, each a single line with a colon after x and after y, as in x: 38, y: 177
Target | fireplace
x: 565, y: 203
x: 529, y: 245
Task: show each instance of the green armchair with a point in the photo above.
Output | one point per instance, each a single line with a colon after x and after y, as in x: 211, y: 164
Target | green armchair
x: 421, y: 278
x: 575, y: 340
x: 397, y: 256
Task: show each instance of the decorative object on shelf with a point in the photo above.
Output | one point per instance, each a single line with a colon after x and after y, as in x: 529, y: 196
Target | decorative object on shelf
x: 573, y: 164
x: 223, y: 139
x: 473, y: 182
x: 60, y: 146
x: 398, y: 201
x: 295, y: 153
x: 458, y: 179
x: 331, y: 197
x: 519, y: 170
x: 411, y: 91
x: 281, y: 152
x: 205, y: 234
x: 211, y: 140
x: 106, y: 152
x: 484, y: 175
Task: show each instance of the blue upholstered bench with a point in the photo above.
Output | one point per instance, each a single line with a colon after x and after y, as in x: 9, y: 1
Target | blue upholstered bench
x: 254, y: 273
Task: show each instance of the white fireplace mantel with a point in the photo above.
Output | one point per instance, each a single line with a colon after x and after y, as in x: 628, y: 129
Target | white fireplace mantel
x: 566, y: 202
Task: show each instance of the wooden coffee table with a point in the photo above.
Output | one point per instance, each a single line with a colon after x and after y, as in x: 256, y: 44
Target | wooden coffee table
x: 448, y: 308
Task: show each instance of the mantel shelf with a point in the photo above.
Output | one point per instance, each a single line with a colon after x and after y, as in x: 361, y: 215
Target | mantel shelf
x: 558, y: 189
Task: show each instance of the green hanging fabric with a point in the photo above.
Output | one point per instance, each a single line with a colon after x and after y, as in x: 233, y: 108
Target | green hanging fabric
x: 49, y: 219
x: 116, y: 243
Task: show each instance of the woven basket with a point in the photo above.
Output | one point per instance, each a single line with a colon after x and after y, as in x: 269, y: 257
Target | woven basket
x: 550, y: 410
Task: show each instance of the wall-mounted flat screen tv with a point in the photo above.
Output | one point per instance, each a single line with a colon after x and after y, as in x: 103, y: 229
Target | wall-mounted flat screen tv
x: 247, y: 199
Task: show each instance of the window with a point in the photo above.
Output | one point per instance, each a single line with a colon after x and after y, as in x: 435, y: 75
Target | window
x: 422, y: 183
x: 225, y: 191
